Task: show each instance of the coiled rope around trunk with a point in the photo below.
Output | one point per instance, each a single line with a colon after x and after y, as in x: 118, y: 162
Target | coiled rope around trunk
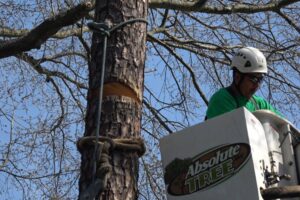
x: 106, y: 146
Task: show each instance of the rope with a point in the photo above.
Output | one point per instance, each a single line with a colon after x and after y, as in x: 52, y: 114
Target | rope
x: 103, y: 166
x: 130, y: 145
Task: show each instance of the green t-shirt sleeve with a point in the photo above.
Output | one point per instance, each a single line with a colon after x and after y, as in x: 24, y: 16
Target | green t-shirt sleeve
x: 264, y: 105
x: 221, y: 102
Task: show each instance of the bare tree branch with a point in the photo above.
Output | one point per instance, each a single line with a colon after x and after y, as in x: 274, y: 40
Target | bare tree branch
x: 7, y: 32
x: 197, y: 87
x: 37, y: 67
x: 36, y: 37
x: 185, y: 5
x: 154, y: 112
x: 290, y: 21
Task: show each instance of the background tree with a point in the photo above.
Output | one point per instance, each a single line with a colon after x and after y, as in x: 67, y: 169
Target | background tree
x: 44, y: 89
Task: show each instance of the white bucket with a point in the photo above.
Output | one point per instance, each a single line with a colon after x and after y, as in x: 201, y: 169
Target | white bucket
x: 223, y: 158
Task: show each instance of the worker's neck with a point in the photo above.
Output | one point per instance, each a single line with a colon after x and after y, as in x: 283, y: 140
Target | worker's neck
x: 235, y: 90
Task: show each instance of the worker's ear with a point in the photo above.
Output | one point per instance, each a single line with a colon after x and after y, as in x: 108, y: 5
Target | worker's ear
x: 236, y: 76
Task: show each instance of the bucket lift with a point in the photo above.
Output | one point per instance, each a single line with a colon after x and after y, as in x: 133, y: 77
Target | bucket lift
x: 239, y: 155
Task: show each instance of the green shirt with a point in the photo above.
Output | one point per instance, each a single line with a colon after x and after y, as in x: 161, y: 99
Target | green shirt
x: 222, y: 102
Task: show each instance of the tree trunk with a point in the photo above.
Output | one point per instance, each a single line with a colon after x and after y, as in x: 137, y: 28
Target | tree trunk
x: 122, y: 95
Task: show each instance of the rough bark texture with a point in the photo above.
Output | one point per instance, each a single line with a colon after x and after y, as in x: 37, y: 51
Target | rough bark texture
x: 121, y: 108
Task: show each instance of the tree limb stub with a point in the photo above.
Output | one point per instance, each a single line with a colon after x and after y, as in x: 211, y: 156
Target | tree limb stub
x: 37, y: 36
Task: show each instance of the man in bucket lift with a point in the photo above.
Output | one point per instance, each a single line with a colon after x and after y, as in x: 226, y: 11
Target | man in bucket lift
x: 249, y: 67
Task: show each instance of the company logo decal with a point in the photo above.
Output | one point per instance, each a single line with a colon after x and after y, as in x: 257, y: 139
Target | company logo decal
x: 206, y: 169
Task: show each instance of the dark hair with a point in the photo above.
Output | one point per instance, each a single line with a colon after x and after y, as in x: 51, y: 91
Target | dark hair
x: 234, y: 70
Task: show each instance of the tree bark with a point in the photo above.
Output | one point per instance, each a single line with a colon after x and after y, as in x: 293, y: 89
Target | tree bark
x: 122, y: 95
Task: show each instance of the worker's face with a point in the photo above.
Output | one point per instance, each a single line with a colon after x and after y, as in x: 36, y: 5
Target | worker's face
x: 250, y: 84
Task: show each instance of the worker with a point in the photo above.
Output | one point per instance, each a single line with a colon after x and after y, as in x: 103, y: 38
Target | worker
x: 249, y: 67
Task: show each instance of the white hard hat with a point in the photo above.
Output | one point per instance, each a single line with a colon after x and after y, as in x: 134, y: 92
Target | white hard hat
x: 250, y: 60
